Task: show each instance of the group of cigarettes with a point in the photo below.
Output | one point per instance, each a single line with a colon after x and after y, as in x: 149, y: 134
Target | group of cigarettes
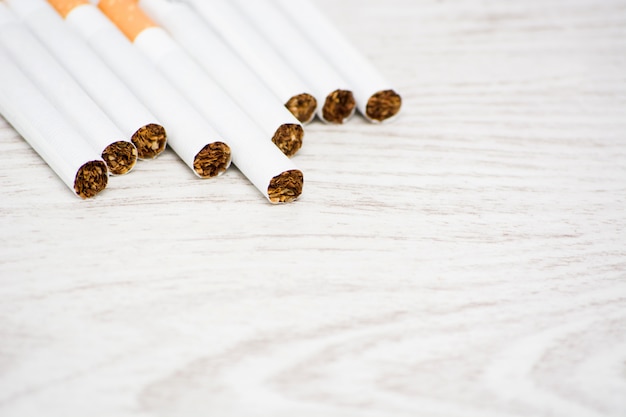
x: 94, y: 86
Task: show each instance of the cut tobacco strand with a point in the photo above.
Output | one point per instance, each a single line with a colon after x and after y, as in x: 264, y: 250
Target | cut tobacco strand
x: 375, y: 97
x: 383, y: 105
x: 87, y: 69
x: 120, y: 157
x: 338, y: 105
x: 212, y: 160
x: 188, y: 133
x: 150, y: 140
x: 48, y: 131
x: 302, y: 106
x: 302, y: 56
x: 255, y: 156
x: 229, y: 71
x: 91, y: 179
x: 260, y: 56
x: 286, y: 186
x: 57, y: 85
x: 288, y: 138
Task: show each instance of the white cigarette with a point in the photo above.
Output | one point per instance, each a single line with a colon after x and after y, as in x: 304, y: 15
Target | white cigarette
x: 339, y: 104
x: 227, y: 69
x: 275, y: 72
x: 193, y: 139
x: 134, y: 120
x: 65, y: 94
x: 49, y: 133
x: 375, y: 98
x: 253, y: 153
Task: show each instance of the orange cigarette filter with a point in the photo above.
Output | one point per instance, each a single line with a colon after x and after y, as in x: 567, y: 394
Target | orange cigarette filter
x: 127, y: 16
x: 64, y: 7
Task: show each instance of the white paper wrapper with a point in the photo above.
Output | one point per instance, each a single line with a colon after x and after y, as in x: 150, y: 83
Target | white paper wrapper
x: 255, y: 156
x: 188, y: 131
x: 95, y: 77
x: 245, y: 41
x: 226, y: 68
x: 365, y: 80
x: 46, y: 130
x: 303, y: 57
x: 56, y: 84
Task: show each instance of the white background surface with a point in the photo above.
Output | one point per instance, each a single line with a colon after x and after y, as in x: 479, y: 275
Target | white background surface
x: 467, y: 260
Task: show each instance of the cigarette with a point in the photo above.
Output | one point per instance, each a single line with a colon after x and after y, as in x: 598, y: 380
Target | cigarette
x: 227, y: 69
x: 261, y: 57
x: 189, y: 135
x: 375, y: 97
x: 279, y: 31
x: 114, y: 98
x: 273, y: 173
x: 65, y: 94
x: 49, y: 133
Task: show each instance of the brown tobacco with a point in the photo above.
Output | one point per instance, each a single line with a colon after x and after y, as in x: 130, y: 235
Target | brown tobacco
x: 150, y: 141
x: 286, y: 187
x: 302, y: 106
x: 212, y: 160
x: 90, y: 179
x: 120, y: 157
x: 383, y: 105
x: 339, y: 105
x: 288, y: 138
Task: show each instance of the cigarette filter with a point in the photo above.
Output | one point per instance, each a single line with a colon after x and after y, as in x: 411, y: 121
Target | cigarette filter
x: 189, y: 134
x: 278, y: 30
x: 65, y: 94
x: 375, y: 98
x: 260, y: 56
x: 93, y: 75
x: 226, y: 68
x: 49, y: 133
x: 255, y: 156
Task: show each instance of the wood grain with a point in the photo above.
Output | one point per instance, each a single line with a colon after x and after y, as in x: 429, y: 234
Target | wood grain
x: 466, y: 260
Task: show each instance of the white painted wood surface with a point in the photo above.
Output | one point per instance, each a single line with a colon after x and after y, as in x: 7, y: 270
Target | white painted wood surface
x: 466, y: 260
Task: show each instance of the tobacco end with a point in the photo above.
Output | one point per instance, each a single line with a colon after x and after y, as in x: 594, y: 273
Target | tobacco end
x: 286, y: 187
x: 383, y: 105
x: 288, y: 138
x: 150, y: 141
x: 302, y: 107
x: 90, y: 179
x: 120, y: 157
x: 212, y: 160
x: 339, y: 106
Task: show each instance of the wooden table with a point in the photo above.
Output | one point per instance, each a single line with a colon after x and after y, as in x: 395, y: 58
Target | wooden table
x: 467, y: 260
